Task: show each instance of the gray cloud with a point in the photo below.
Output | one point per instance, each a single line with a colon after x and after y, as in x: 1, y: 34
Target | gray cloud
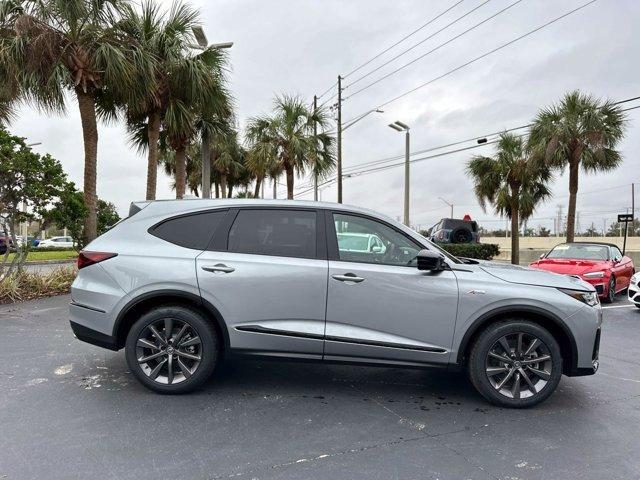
x: 301, y: 46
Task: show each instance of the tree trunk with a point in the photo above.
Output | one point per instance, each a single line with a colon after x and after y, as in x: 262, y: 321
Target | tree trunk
x: 230, y: 193
x: 515, y: 235
x: 289, y: 170
x: 256, y: 191
x: 181, y: 171
x: 87, y: 106
x: 223, y: 186
x: 574, y: 170
x: 153, y: 134
x: 217, y: 188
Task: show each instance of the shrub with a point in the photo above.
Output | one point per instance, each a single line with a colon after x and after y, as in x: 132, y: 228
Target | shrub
x: 24, y: 285
x: 480, y: 251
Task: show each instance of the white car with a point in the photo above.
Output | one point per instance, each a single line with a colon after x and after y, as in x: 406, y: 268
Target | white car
x: 62, y: 242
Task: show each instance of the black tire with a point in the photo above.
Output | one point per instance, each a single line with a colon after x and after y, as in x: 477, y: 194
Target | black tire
x: 207, y: 348
x: 612, y: 290
x: 461, y: 235
x: 478, y: 364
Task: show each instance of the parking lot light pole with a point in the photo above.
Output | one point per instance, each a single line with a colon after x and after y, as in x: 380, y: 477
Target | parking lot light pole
x: 203, y: 44
x: 401, y: 127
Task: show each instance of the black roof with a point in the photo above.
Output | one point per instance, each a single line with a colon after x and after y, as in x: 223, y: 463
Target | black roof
x: 589, y: 243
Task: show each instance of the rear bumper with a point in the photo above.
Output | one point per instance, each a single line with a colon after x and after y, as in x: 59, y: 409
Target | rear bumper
x: 94, y: 337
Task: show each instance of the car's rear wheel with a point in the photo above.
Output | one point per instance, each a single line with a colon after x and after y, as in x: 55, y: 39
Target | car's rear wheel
x: 515, y: 364
x: 172, y: 349
x: 611, y: 293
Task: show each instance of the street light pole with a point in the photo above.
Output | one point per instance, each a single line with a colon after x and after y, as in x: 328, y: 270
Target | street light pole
x: 203, y: 43
x: 339, y: 139
x: 402, y: 127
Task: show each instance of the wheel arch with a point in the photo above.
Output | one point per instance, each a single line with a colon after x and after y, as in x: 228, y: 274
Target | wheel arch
x: 143, y: 303
x: 554, y: 324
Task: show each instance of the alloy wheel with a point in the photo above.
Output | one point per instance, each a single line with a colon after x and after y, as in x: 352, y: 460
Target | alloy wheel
x: 169, y: 351
x: 518, y: 365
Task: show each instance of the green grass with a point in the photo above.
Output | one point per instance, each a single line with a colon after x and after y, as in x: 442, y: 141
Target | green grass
x: 42, y: 256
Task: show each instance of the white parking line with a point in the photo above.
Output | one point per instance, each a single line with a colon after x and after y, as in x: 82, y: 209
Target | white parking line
x: 619, y: 306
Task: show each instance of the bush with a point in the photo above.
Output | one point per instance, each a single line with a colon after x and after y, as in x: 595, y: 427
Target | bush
x: 479, y: 251
x: 23, y: 285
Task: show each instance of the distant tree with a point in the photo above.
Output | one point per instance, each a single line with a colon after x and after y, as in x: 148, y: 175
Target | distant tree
x: 580, y: 131
x: 511, y: 183
x: 26, y: 178
x: 285, y: 141
x: 543, y: 231
x: 70, y: 212
x: 107, y: 216
x: 592, y: 231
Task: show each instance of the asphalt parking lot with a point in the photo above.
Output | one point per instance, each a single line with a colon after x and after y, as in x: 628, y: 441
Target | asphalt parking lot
x: 70, y: 410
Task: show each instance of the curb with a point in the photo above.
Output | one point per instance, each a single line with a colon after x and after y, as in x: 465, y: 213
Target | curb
x: 51, y: 262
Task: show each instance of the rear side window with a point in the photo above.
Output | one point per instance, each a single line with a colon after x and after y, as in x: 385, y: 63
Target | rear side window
x: 190, y: 231
x: 283, y: 233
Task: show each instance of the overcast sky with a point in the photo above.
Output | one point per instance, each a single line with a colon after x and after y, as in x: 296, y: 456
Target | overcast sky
x: 299, y: 47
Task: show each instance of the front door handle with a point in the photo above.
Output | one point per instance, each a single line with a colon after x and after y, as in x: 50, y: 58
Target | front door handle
x: 348, y: 277
x: 219, y: 268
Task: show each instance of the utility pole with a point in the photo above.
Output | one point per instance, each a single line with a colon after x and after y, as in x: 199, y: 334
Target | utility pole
x: 315, y: 134
x: 339, y: 139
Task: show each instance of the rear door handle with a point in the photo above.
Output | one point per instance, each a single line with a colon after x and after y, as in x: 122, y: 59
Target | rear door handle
x: 218, y: 268
x: 348, y: 277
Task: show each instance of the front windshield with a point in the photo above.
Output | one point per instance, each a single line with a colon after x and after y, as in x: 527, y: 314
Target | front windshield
x: 577, y: 251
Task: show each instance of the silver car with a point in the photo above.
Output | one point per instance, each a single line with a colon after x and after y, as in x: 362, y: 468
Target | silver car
x: 182, y: 284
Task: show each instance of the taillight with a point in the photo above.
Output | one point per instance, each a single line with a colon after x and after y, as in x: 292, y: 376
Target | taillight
x: 89, y: 258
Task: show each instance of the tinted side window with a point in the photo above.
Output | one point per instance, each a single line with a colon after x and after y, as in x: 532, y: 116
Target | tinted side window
x: 284, y: 233
x: 190, y: 231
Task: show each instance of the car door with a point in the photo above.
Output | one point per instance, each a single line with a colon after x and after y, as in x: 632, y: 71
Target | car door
x: 266, y: 272
x: 622, y: 268
x: 380, y: 307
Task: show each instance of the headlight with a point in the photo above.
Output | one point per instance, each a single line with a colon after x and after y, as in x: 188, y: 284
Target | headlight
x: 635, y: 277
x: 590, y: 298
x: 593, y: 275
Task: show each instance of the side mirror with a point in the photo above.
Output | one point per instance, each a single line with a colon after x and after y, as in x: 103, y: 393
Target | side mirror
x: 428, y: 260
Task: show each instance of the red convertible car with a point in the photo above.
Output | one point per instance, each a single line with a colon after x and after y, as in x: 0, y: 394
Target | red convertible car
x: 600, y: 264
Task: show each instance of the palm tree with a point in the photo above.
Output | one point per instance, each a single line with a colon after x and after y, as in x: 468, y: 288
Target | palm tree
x: 285, y: 141
x: 59, y: 45
x: 511, y: 182
x: 184, y: 82
x: 193, y: 166
x: 581, y: 130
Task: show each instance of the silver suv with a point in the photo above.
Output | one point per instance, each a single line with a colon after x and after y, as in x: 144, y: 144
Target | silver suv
x: 181, y: 284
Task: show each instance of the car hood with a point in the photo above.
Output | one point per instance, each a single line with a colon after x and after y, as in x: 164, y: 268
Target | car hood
x: 570, y: 266
x: 530, y: 276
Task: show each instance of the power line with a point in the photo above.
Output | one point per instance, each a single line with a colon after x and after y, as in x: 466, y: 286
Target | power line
x: 486, y: 54
x: 360, y: 168
x: 404, y: 38
x: 424, y: 40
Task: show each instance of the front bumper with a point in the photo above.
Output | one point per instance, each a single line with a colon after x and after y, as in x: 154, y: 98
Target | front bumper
x: 600, y: 284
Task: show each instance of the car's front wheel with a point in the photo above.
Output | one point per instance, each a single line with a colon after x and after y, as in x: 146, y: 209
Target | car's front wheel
x: 172, y: 349
x: 515, y: 363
